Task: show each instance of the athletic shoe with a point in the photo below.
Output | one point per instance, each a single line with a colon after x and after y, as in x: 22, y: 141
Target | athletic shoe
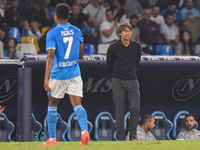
x: 85, y: 138
x: 49, y: 142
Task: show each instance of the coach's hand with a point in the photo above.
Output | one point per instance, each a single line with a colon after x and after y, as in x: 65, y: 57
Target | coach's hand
x: 46, y: 86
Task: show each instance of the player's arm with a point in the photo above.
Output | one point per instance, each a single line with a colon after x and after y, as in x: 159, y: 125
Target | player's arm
x: 49, y: 65
x: 81, y: 50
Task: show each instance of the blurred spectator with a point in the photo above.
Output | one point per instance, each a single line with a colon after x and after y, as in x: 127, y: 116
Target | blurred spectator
x: 77, y: 17
x: 149, y: 30
x: 1, y: 9
x: 156, y: 16
x: 185, y: 46
x: 135, y: 32
x: 179, y: 3
x: 96, y: 10
x: 52, y: 3
x: 188, y: 8
x: 109, y: 28
x: 152, y: 3
x: 171, y: 8
x: 133, y: 7
x: 119, y: 11
x: 1, y: 109
x: 170, y: 32
x: 185, y: 23
x: 4, y: 32
x: 15, y: 18
x: 82, y: 3
x: 13, y: 49
x: 36, y: 17
x: 194, y: 27
x: 189, y: 132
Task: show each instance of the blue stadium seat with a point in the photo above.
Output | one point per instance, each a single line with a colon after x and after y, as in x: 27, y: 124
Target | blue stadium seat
x: 87, y: 30
x: 105, y: 129
x: 89, y: 49
x: 36, y: 128
x: 61, y: 129
x: 14, y: 31
x: 178, y: 122
x: 74, y: 130
x: 163, y: 126
x: 164, y: 50
x: 6, y: 128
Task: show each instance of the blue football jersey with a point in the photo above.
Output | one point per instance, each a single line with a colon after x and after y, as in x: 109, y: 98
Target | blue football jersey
x: 65, y: 39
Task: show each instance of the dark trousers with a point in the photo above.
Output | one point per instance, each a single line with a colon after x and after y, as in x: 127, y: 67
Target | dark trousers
x: 126, y: 90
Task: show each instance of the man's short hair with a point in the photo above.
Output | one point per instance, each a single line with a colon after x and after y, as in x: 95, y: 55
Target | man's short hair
x: 188, y: 115
x: 62, y: 11
x: 124, y: 25
x: 146, y: 118
x: 134, y: 16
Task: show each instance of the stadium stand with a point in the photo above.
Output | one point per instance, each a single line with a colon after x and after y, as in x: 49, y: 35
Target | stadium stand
x: 15, y: 33
x: 30, y: 40
x: 28, y: 49
x: 89, y: 49
x: 102, y: 48
x: 164, y: 50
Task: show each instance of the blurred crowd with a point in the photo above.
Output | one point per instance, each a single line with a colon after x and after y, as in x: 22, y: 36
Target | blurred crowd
x: 171, y: 22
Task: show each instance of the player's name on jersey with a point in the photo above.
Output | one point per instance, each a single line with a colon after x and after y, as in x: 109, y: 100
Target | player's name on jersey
x: 67, y: 63
x: 66, y: 33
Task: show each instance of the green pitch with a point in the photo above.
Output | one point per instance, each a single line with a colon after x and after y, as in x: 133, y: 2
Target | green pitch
x: 105, y: 145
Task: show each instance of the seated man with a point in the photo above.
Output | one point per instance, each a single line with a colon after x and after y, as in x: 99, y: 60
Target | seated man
x: 108, y: 29
x: 144, y: 130
x: 189, y: 133
x: 1, y: 109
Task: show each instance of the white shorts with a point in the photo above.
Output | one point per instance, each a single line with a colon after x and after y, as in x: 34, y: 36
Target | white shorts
x: 72, y: 86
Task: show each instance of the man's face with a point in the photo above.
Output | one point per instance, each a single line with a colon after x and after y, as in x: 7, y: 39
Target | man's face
x: 134, y: 21
x: 147, y: 15
x: 170, y: 19
x: 189, y: 4
x: 151, y: 124
x: 76, y: 10
x: 109, y: 16
x: 190, y: 123
x: 155, y: 11
x: 126, y: 34
x: 172, y: 8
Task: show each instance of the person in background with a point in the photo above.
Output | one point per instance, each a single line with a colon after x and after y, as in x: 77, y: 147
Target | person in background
x: 149, y: 31
x: 123, y: 56
x: 13, y: 49
x: 185, y: 46
x: 144, y: 130
x: 109, y: 28
x: 1, y: 109
x: 171, y: 8
x: 184, y: 24
x: 135, y: 32
x: 156, y: 16
x: 16, y: 17
x: 133, y: 7
x: 170, y: 32
x: 189, y: 132
x: 188, y: 8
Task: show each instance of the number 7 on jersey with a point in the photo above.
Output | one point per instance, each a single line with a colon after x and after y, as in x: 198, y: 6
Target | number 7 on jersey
x: 70, y: 40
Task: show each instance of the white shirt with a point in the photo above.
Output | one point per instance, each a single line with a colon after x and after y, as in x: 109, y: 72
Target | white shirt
x: 112, y: 37
x: 97, y: 13
x: 170, y: 32
x: 159, y: 19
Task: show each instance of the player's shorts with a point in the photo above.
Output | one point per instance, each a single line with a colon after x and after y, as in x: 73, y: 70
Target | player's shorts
x: 72, y: 86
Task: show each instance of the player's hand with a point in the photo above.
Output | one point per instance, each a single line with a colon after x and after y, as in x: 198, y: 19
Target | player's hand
x: 46, y: 86
x: 1, y: 109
